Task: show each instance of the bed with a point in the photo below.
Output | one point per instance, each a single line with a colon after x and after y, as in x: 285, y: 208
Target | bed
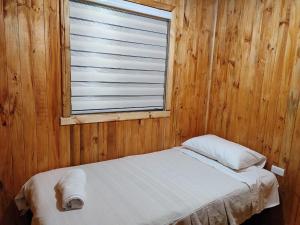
x: 174, y: 186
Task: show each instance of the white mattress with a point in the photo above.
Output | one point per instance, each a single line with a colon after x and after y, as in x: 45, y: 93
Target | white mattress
x: 174, y: 186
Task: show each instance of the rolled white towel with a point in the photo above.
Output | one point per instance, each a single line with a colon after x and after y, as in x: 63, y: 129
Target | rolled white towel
x: 72, y: 189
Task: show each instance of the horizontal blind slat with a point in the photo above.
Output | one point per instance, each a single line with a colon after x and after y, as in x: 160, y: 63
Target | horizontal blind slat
x: 88, y: 44
x: 91, y: 29
x: 115, y: 75
x: 88, y: 59
x: 97, y: 89
x: 94, y: 103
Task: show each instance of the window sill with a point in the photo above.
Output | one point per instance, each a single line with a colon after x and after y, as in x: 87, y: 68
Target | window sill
x: 108, y: 117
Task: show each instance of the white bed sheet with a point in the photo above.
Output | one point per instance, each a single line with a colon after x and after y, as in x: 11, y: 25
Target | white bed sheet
x: 169, y: 187
x: 260, y: 181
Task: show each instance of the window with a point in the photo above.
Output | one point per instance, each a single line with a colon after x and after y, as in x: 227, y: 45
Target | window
x: 117, y: 58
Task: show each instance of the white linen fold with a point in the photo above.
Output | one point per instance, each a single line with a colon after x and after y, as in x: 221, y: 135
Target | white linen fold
x: 72, y: 189
x: 262, y: 183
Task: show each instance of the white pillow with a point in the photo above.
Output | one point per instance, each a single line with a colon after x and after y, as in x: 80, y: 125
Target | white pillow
x: 226, y: 152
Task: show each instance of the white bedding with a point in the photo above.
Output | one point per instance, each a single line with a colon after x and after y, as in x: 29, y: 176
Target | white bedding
x: 259, y: 180
x: 174, y: 186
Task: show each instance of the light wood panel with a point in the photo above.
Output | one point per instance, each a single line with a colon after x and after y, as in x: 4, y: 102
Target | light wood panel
x: 254, y: 99
x: 254, y: 94
x: 31, y: 138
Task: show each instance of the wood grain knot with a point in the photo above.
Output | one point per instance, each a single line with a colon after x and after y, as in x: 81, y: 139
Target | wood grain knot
x: 95, y: 139
x: 284, y: 22
x: 4, y: 123
x: 269, y: 9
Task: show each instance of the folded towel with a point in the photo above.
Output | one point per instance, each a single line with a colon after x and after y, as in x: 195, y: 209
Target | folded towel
x: 72, y: 189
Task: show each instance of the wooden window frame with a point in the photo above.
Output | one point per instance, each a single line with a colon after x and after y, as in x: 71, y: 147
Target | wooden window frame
x: 69, y: 119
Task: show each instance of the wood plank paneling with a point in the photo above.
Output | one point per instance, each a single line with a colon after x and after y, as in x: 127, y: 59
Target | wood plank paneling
x: 28, y: 91
x: 254, y: 99
x: 16, y: 136
x: 6, y: 160
x: 53, y: 89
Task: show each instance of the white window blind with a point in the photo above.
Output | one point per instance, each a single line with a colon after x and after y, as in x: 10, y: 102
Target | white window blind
x: 118, y: 58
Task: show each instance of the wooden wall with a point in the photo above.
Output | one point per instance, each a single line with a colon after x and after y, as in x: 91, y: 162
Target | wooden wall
x: 255, y: 87
x: 31, y: 139
x: 253, y: 91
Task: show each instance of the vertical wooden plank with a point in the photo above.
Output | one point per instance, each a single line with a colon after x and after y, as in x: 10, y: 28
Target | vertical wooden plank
x: 64, y: 146
x: 293, y: 159
x: 156, y: 135
x: 148, y: 136
x: 276, y: 116
x: 242, y: 88
x: 53, y: 68
x: 160, y: 134
x: 122, y: 134
x: 6, y: 159
x: 186, y: 66
x: 271, y: 103
x: 293, y: 96
x: 102, y: 138
x: 171, y: 56
x: 218, y: 63
x: 233, y: 11
x: 141, y: 136
x: 75, y: 145
x: 166, y: 133
x: 241, y: 85
x: 94, y: 143
x: 251, y: 72
x: 16, y: 137
x: 65, y: 57
x: 133, y: 144
x: 257, y: 118
x: 178, y: 64
x: 85, y: 143
x: 112, y: 152
x: 29, y: 112
x: 65, y: 79
x: 209, y: 71
x: 267, y: 108
x: 126, y: 140
x: 39, y: 80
